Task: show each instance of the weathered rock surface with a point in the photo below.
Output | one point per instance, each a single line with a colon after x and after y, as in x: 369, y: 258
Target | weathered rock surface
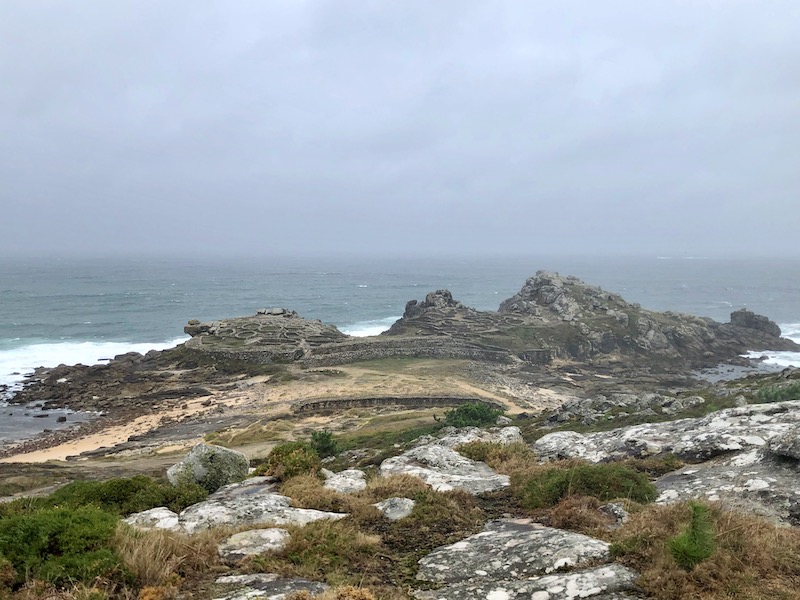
x: 445, y: 469
x: 786, y: 444
x: 604, y: 408
x: 452, y: 437
x: 209, y: 466
x: 607, y: 582
x: 755, y: 482
x: 250, y: 543
x: 395, y: 508
x: 155, y: 518
x: 248, y: 504
x: 723, y: 432
x: 511, y: 549
x: 266, y: 585
x: 345, y: 482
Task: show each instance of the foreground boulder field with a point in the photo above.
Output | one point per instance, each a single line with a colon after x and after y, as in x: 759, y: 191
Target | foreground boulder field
x: 377, y: 483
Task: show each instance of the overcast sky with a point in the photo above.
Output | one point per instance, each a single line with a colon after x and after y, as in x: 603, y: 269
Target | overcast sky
x: 374, y: 127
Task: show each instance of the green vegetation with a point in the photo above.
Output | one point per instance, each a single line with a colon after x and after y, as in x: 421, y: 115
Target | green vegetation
x: 779, y: 393
x: 289, y: 460
x: 324, y: 444
x: 61, y: 545
x: 471, y: 414
x: 696, y: 544
x: 603, y: 481
x: 116, y: 496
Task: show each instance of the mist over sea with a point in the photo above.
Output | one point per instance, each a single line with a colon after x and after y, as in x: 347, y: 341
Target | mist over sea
x: 71, y: 311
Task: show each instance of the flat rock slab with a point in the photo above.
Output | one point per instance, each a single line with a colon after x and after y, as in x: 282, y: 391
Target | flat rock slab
x: 755, y: 482
x: 250, y: 543
x: 444, y: 469
x: 723, y: 432
x: 345, y: 482
x: 607, y: 582
x: 266, y: 585
x: 511, y: 549
x: 254, y: 509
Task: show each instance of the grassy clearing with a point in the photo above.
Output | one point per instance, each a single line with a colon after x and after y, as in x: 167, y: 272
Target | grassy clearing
x: 752, y: 559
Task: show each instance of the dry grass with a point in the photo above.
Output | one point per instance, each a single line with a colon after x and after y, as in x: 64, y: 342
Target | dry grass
x: 393, y: 486
x: 753, y: 559
x: 579, y: 513
x: 156, y: 558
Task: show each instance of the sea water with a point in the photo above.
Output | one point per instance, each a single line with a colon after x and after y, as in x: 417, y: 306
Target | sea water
x: 86, y: 311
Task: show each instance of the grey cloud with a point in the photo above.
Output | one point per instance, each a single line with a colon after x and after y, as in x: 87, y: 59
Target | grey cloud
x: 373, y: 127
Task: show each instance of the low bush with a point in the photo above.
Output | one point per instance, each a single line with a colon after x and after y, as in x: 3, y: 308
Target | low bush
x: 472, y: 414
x: 696, y: 544
x: 779, y: 393
x: 604, y: 482
x: 61, y: 545
x: 289, y: 460
x: 324, y: 444
x: 124, y: 496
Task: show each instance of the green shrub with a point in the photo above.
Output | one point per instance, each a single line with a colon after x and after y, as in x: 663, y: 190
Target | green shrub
x: 323, y: 444
x: 472, y: 414
x: 604, y: 482
x: 779, y: 393
x: 289, y: 460
x: 124, y: 496
x: 61, y: 545
x: 697, y: 543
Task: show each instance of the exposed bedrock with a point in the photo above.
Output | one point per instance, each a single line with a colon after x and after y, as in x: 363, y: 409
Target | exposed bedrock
x: 746, y: 456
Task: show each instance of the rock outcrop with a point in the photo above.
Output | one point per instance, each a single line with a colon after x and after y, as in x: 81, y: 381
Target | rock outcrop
x: 516, y: 558
x: 745, y: 457
x: 209, y: 466
x: 434, y: 460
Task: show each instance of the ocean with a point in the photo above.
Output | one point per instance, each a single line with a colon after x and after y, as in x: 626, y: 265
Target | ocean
x: 83, y: 311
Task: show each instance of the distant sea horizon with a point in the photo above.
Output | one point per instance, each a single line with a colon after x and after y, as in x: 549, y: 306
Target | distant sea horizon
x: 69, y: 310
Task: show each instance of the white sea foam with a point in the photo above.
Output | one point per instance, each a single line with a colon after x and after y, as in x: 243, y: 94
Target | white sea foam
x: 15, y: 363
x: 367, y: 328
x: 783, y: 359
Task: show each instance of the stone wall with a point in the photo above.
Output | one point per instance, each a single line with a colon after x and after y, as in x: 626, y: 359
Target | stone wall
x: 331, y: 404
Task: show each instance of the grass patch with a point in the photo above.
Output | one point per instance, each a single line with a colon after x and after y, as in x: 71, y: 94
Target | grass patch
x: 779, y: 392
x: 289, y: 460
x: 121, y: 496
x: 604, y: 482
x: 160, y: 558
x: 752, y: 560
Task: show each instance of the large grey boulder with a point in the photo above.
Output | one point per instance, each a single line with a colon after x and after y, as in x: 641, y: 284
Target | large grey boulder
x: 445, y: 469
x: 252, y: 542
x: 209, y: 466
x: 268, y: 586
x: 606, y: 582
x: 248, y: 504
x: 510, y: 549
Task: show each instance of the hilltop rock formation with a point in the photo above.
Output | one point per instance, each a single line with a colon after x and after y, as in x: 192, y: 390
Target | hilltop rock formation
x: 564, y: 317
